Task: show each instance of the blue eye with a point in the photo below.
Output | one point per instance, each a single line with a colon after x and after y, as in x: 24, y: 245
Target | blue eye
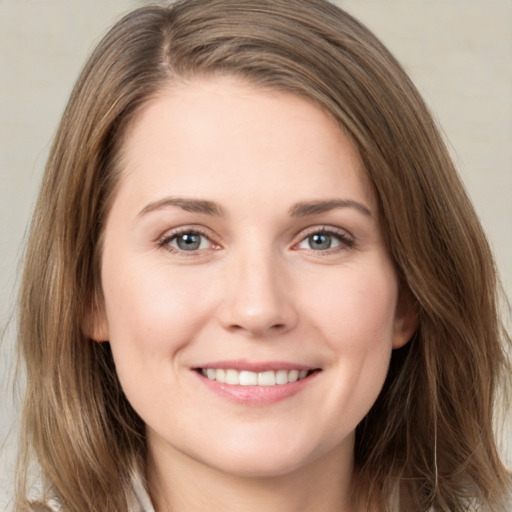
x: 323, y: 240
x: 187, y: 241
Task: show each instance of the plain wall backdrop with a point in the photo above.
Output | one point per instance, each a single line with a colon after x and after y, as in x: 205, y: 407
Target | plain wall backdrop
x: 458, y: 52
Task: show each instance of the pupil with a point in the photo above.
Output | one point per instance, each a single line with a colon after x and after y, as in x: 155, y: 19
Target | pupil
x: 189, y: 242
x: 320, y: 241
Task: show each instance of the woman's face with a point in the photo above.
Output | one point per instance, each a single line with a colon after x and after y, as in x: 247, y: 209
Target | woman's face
x: 249, y: 297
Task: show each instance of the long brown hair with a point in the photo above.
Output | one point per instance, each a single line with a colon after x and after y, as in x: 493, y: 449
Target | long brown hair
x: 429, y: 436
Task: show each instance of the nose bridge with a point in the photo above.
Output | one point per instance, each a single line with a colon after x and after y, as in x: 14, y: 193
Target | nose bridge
x: 257, y: 297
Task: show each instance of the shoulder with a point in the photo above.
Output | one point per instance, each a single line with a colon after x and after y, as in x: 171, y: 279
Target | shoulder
x: 139, y: 502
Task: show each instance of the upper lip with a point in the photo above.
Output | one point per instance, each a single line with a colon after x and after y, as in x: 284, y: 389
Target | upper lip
x: 254, y: 366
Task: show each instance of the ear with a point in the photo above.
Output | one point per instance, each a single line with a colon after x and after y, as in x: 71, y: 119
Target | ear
x: 94, y: 322
x: 406, y: 320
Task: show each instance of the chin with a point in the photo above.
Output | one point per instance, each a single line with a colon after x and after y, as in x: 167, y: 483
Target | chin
x: 260, y: 466
x: 266, y: 460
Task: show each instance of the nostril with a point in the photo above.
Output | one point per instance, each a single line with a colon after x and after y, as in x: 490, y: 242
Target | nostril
x: 258, y: 330
x: 256, y: 316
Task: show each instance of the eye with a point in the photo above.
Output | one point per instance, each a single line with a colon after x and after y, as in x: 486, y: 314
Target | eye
x: 186, y: 241
x: 325, y: 240
x: 321, y: 241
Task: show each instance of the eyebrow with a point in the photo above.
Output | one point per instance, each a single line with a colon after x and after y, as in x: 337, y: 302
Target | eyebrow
x: 187, y: 204
x: 302, y: 209
x: 306, y: 208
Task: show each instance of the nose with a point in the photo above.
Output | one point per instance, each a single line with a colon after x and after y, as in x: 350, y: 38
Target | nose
x: 258, y: 298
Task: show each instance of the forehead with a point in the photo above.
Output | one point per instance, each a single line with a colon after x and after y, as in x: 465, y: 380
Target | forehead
x: 205, y: 130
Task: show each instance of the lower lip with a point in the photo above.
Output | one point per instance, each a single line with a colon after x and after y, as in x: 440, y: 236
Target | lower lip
x: 257, y: 395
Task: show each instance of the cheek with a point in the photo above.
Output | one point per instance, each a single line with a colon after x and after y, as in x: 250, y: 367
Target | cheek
x: 151, y: 316
x: 356, y: 311
x: 356, y: 317
x: 152, y: 313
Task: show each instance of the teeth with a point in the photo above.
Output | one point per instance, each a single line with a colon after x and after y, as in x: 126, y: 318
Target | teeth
x: 281, y: 377
x: 232, y: 377
x: 246, y: 378
x: 267, y: 378
x: 293, y: 375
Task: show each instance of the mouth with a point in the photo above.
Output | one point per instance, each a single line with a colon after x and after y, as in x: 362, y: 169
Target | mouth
x: 256, y: 383
x: 267, y: 378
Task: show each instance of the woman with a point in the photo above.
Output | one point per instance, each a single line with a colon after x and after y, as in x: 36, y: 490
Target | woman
x: 254, y: 280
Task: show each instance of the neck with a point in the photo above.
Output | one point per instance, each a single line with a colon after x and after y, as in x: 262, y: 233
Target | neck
x: 181, y: 484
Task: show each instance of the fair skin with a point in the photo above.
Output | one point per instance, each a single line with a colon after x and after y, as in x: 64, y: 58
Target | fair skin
x: 244, y: 244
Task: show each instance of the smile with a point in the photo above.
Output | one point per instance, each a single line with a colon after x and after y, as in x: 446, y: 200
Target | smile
x: 249, y: 378
x: 252, y: 383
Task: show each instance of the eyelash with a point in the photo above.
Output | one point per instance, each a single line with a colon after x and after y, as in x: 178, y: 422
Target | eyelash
x: 168, y: 238
x: 345, y: 240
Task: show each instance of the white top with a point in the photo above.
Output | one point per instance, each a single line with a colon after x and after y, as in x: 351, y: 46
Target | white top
x: 142, y: 502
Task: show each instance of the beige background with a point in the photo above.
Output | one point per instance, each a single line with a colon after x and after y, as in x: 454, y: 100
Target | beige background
x: 459, y: 53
